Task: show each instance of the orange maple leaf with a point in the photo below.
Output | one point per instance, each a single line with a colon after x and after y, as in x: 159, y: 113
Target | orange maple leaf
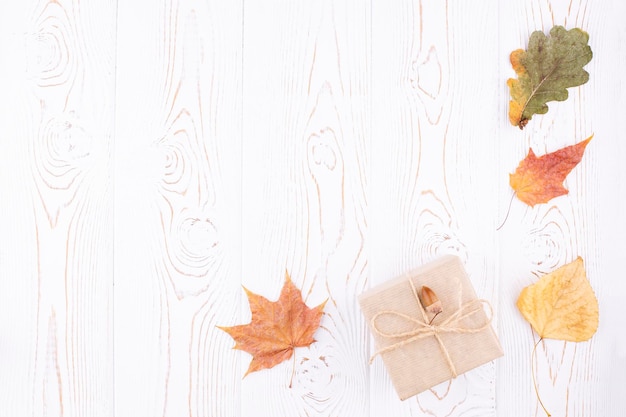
x: 276, y: 327
x: 539, y: 179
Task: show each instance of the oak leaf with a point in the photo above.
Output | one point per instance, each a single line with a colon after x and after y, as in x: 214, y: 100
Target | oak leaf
x: 276, y: 327
x: 545, y: 70
x: 561, y: 305
x: 539, y: 179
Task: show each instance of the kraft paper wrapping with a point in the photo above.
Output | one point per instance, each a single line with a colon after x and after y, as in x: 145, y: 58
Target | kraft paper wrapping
x: 421, y: 364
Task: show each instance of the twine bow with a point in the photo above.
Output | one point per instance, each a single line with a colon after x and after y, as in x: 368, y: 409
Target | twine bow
x: 422, y: 329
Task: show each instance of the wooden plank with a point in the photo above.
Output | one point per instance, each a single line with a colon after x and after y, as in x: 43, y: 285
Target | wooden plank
x: 344, y: 142
x: 434, y: 125
x: 56, y: 210
x: 178, y: 171
x: 305, y: 173
x: 601, y: 378
x: 572, y: 378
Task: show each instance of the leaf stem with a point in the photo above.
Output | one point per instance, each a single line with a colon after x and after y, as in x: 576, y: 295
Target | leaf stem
x: 532, y: 370
x: 293, y: 370
x: 507, y: 212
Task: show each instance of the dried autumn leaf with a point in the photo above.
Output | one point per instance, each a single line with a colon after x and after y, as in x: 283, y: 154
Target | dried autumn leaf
x: 545, y: 70
x: 539, y: 179
x: 561, y: 305
x: 276, y: 327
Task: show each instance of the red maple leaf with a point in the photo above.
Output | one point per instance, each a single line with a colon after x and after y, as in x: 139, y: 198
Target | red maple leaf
x: 539, y: 179
x: 276, y: 327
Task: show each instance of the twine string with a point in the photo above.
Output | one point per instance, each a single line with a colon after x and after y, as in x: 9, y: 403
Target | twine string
x: 421, y: 329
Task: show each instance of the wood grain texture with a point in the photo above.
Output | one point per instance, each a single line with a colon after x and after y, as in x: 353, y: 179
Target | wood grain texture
x: 434, y: 81
x: 57, y: 211
x: 183, y: 148
x: 177, y: 207
x: 540, y: 239
x: 305, y: 173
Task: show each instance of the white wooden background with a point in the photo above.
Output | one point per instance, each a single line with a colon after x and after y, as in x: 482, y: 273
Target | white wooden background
x: 159, y: 154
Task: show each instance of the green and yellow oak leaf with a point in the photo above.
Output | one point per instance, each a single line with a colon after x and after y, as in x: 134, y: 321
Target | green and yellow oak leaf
x: 545, y: 71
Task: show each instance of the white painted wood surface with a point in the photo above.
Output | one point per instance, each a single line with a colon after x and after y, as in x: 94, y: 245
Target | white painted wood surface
x: 158, y: 155
x: 56, y: 254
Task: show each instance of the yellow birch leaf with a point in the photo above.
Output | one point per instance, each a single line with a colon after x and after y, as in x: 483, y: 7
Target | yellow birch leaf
x: 561, y: 305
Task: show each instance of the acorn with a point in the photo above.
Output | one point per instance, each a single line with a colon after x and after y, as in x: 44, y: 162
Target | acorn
x: 430, y: 301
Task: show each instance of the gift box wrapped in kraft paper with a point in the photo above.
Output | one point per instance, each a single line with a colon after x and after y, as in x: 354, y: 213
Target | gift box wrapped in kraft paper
x: 421, y: 348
